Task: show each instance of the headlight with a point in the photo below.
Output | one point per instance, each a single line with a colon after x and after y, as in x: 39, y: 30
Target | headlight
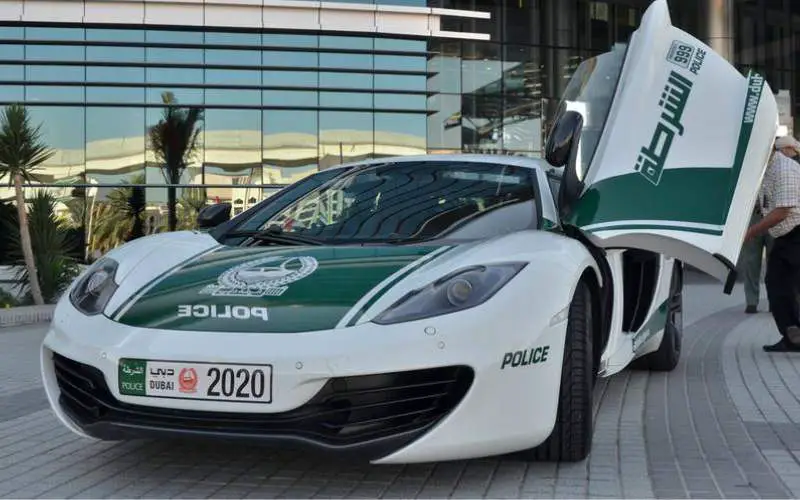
x: 93, y: 291
x: 455, y: 292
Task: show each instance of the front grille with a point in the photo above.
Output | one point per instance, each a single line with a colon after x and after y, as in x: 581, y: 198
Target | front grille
x: 346, y: 411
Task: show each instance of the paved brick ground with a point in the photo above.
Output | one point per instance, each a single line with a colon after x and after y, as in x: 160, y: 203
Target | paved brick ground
x: 724, y: 424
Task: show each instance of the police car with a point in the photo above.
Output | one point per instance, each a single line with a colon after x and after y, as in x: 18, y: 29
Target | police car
x: 428, y: 308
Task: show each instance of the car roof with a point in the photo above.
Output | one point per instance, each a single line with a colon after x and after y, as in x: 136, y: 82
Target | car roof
x: 519, y: 161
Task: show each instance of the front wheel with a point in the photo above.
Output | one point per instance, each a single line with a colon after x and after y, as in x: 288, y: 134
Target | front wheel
x: 571, y: 438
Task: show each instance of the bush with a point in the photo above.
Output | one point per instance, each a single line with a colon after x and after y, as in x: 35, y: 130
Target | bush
x: 51, y: 249
x: 7, y: 300
x: 8, y: 213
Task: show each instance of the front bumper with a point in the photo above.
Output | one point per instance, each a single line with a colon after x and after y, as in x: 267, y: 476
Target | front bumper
x: 368, y: 415
x: 414, y: 392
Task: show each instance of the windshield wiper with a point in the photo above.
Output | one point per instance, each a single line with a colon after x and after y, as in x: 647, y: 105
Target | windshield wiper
x: 277, y: 235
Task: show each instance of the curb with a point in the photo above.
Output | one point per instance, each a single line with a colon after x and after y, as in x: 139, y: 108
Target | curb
x: 28, y: 315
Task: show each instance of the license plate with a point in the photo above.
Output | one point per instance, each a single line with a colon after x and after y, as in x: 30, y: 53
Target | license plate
x: 192, y: 380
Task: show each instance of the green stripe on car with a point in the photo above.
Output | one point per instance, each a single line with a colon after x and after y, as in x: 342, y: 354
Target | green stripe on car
x: 269, y: 290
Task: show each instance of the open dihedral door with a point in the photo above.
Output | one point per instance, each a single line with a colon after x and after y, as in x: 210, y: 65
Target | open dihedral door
x: 674, y: 144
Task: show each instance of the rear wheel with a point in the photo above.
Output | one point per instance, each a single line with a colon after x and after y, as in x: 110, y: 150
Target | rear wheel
x: 669, y: 352
x: 571, y: 439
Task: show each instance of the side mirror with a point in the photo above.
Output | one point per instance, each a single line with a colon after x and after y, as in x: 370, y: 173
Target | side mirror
x: 561, y: 150
x: 563, y: 139
x: 213, y: 215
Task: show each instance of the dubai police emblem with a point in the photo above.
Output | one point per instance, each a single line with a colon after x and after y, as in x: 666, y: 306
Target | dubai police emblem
x: 266, y: 277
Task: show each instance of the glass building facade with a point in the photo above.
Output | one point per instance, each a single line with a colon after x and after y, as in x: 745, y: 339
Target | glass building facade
x: 280, y: 103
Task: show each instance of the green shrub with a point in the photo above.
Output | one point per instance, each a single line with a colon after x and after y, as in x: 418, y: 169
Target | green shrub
x: 7, y: 300
x: 51, y: 249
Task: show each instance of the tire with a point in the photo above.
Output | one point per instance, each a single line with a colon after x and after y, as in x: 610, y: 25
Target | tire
x: 571, y: 438
x: 666, y: 358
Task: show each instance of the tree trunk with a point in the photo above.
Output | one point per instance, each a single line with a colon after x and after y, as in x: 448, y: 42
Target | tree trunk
x: 172, y: 208
x: 25, y: 238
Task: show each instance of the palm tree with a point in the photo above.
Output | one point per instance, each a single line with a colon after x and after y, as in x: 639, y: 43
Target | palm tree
x: 174, y: 141
x: 21, y: 153
x: 119, y: 218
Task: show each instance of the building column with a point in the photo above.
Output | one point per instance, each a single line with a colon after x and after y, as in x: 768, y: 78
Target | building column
x: 717, y: 25
x: 560, y: 23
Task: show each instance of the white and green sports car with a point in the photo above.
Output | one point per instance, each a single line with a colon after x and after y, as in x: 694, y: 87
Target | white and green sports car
x: 439, y: 307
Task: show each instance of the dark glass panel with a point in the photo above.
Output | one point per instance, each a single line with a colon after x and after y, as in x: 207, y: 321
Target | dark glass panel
x: 290, y: 98
x: 233, y: 97
x: 53, y: 94
x: 627, y: 22
x: 174, y: 76
x: 115, y: 54
x: 345, y: 137
x: 400, y: 44
x: 63, y: 130
x: 115, y: 95
x: 283, y: 40
x: 522, y: 21
x: 130, y: 74
x: 289, y: 59
x: 12, y: 93
x: 12, y: 33
x: 114, y: 35
x: 12, y: 72
x: 346, y: 80
x: 174, y: 37
x: 445, y: 65
x: 174, y: 55
x: 345, y: 100
x: 482, y: 126
x: 346, y: 61
x: 54, y: 33
x: 522, y: 124
x: 400, y: 134
x: 524, y: 73
x: 480, y: 66
x: 401, y: 101
x: 232, y: 143
x: 401, y: 63
x: 444, y: 124
x: 226, y: 38
x: 289, y: 145
x: 115, y: 145
x: 184, y: 96
x: 233, y: 57
x: 75, y: 53
x: 600, y: 25
x: 290, y: 79
x: 365, y: 43
x: 12, y: 52
x: 401, y: 82
x: 232, y: 77
x: 34, y: 73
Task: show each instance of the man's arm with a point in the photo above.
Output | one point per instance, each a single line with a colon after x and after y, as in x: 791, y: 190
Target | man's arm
x: 773, y: 218
x: 787, y: 193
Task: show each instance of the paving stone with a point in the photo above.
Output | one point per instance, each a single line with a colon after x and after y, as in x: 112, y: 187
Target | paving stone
x: 722, y: 424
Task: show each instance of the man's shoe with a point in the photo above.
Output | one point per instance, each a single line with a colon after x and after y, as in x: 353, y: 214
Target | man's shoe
x: 782, y: 345
x: 751, y: 309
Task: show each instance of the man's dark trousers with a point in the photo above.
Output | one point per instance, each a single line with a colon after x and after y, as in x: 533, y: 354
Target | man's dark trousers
x: 783, y: 280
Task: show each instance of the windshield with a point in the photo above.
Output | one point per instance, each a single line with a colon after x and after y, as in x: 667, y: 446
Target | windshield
x: 590, y: 92
x: 409, y: 201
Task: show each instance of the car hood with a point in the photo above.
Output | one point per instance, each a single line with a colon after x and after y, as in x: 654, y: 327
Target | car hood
x: 258, y: 290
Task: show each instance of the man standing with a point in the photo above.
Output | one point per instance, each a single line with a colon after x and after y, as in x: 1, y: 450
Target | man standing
x: 752, y: 258
x: 780, y: 196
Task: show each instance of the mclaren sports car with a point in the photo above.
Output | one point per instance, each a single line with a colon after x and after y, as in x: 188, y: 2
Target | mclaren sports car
x: 436, y: 307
